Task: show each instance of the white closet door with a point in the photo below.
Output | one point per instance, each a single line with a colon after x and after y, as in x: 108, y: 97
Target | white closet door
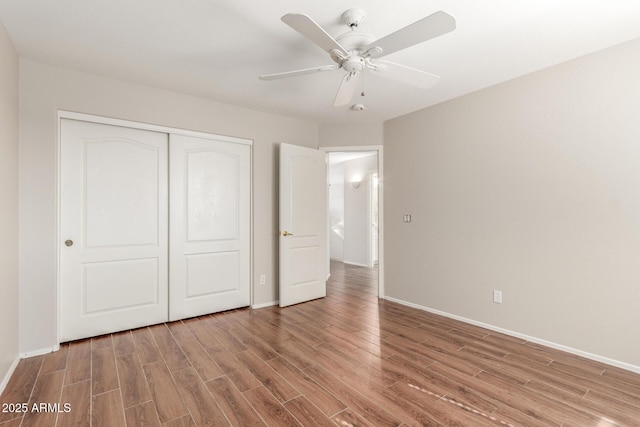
x: 113, y: 229
x: 209, y: 226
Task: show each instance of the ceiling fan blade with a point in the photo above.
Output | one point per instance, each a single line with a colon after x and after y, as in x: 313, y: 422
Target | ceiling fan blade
x: 314, y: 32
x: 299, y: 72
x: 404, y: 74
x: 427, y: 28
x: 346, y: 90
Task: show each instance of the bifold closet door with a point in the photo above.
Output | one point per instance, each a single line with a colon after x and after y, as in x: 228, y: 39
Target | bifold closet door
x: 209, y: 226
x: 113, y: 228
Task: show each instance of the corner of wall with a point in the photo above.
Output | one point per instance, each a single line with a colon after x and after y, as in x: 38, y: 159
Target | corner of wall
x: 9, y: 146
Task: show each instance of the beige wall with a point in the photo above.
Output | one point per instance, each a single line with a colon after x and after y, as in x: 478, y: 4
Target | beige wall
x: 345, y: 135
x: 45, y: 89
x: 531, y: 187
x: 8, y: 204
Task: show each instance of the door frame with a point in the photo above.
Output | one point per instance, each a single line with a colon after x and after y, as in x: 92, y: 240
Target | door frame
x: 379, y: 150
x: 63, y: 114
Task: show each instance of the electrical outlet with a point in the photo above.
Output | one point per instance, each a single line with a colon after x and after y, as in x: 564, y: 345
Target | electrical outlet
x: 263, y: 279
x: 497, y: 297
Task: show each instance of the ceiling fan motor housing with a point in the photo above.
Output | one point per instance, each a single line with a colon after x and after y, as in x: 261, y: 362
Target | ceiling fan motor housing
x: 353, y: 42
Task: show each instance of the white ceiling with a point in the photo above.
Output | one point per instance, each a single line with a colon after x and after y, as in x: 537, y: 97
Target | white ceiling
x: 217, y: 48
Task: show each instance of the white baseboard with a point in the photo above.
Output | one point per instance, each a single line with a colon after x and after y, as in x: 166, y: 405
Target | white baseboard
x: 7, y: 376
x: 40, y: 351
x: 355, y: 263
x: 265, y: 304
x: 606, y: 360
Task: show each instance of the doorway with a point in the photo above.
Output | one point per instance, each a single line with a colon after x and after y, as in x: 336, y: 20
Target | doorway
x: 355, y: 208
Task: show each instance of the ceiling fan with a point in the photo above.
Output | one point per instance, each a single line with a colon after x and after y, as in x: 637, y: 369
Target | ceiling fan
x: 355, y: 52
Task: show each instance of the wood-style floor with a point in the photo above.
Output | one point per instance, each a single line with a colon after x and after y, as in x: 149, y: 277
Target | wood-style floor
x: 347, y: 359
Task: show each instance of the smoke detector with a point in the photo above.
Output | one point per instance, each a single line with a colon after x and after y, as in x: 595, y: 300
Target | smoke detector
x: 358, y: 107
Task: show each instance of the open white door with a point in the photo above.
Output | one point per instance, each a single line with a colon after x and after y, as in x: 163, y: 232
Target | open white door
x: 303, y: 225
x: 209, y: 255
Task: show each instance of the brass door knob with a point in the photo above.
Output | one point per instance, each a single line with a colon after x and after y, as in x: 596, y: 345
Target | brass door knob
x: 68, y: 242
x: 286, y: 233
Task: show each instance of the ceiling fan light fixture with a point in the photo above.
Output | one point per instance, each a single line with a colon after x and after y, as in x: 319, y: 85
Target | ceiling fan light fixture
x: 358, y: 107
x: 353, y: 64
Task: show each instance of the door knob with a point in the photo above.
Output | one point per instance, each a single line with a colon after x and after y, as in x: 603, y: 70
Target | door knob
x: 68, y: 242
x: 286, y: 233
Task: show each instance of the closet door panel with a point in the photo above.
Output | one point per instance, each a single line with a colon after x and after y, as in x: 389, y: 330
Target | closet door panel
x: 209, y: 226
x: 113, y: 228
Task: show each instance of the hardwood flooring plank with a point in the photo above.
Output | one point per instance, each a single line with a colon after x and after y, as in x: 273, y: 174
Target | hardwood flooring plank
x: 349, y: 418
x: 558, y: 379
x: 12, y: 423
x: 356, y: 342
x: 271, y: 411
x: 326, y: 358
x: 305, y: 385
x: 146, y: 346
x: 297, y: 352
x: 227, y: 340
x: 179, y: 330
x: 164, y: 392
x: 123, y: 343
x: 171, y: 352
x: 201, y: 404
x: 196, y: 326
x: 101, y: 342
x: 260, y: 348
x: 542, y: 409
x: 143, y: 415
x: 46, y: 391
x: 622, y: 375
x: 20, y: 386
x: 104, y: 376
x: 417, y: 411
x: 235, y: 371
x: 307, y: 413
x: 409, y: 349
x: 133, y: 384
x: 204, y: 365
x: 374, y: 368
x: 613, y: 389
x: 159, y: 329
x: 438, y: 410
x: 355, y: 400
x: 107, y: 410
x: 269, y: 378
x: 78, y: 362
x: 466, y: 389
x: 309, y: 334
x: 237, y: 409
x: 185, y: 421
x: 582, y: 410
x: 78, y: 396
x: 55, y: 361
